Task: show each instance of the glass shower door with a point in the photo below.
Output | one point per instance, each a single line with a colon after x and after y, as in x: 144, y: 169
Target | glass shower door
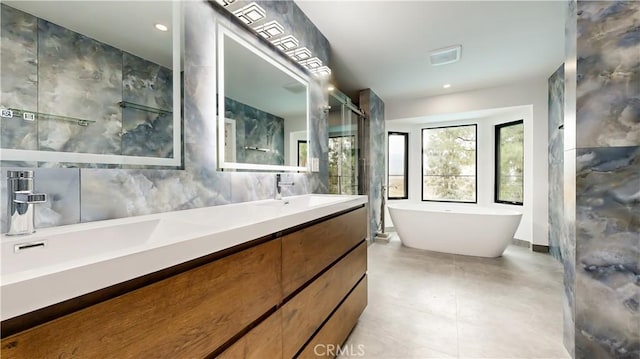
x: 343, y: 146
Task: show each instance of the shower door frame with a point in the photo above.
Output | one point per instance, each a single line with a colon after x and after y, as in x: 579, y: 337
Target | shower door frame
x: 349, y: 109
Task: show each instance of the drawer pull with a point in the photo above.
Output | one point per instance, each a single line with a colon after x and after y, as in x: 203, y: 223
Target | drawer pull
x: 23, y: 246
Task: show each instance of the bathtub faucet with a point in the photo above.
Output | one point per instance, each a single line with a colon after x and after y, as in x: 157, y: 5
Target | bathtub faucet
x: 21, y: 200
x: 279, y: 185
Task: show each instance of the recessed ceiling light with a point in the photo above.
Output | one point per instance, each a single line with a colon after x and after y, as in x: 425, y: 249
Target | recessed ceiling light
x: 330, y: 88
x: 161, y: 27
x: 446, y: 86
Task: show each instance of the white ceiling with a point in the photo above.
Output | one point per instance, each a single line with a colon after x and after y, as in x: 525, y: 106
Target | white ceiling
x: 384, y: 45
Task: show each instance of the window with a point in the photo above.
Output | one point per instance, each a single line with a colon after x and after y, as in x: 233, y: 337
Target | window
x: 449, y: 164
x: 398, y: 168
x: 509, y: 162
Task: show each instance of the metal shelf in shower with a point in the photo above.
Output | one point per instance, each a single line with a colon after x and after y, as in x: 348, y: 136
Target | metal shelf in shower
x: 33, y: 115
x: 135, y: 106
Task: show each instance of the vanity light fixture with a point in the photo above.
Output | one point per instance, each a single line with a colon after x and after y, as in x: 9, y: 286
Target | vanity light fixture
x: 270, y: 29
x: 286, y: 43
x: 446, y: 86
x: 251, y: 13
x: 299, y: 54
x: 321, y: 71
x: 225, y: 2
x: 312, y: 63
x: 330, y: 88
x: 161, y: 27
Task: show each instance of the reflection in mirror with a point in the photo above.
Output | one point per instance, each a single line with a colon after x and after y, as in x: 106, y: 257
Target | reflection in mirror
x: 302, y: 153
x: 91, y: 82
x: 265, y: 110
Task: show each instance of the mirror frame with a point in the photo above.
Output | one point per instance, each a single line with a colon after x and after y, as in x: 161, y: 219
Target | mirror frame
x: 222, y: 164
x: 8, y: 154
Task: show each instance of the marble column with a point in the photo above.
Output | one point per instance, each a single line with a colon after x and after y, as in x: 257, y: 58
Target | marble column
x: 602, y: 179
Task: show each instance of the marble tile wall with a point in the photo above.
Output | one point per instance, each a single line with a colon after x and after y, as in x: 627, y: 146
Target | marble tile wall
x: 81, y: 78
x: 147, y: 84
x: 52, y: 70
x: 140, y: 126
x: 608, y: 252
x: 19, y: 85
x: 602, y: 176
x: 608, y: 95
x: 256, y: 128
x: 556, y: 162
x: 90, y: 194
x: 373, y: 107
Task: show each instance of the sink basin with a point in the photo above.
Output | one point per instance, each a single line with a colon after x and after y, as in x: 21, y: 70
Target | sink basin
x: 43, y: 250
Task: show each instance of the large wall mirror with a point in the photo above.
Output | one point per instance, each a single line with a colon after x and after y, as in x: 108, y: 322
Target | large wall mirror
x: 91, y: 82
x: 262, y: 109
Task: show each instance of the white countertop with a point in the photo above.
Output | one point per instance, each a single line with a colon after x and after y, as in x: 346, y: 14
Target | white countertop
x: 81, y: 258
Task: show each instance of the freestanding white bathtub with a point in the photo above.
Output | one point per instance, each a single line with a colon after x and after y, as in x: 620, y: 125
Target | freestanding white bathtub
x: 454, y: 228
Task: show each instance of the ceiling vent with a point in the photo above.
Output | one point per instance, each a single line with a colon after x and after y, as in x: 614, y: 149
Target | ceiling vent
x: 444, y: 56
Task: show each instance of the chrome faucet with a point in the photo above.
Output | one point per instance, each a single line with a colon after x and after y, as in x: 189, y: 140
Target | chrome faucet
x: 279, y: 185
x: 21, y: 200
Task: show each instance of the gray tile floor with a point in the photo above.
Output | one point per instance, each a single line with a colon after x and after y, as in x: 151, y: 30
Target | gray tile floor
x: 431, y: 305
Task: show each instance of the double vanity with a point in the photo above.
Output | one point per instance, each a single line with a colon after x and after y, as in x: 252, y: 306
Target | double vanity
x: 262, y: 279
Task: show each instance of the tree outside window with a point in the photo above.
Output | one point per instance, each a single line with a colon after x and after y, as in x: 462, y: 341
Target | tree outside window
x: 342, y: 165
x: 449, y: 164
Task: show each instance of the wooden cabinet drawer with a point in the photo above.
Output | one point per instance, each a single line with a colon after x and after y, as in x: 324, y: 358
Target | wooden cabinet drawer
x: 307, y: 252
x: 331, y: 337
x: 262, y: 342
x: 188, y: 315
x: 306, y: 312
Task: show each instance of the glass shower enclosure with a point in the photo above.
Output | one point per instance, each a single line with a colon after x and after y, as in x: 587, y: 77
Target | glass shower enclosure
x: 345, y: 162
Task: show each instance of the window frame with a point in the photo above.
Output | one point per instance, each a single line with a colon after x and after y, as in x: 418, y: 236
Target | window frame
x: 406, y: 164
x: 496, y: 167
x: 475, y: 126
